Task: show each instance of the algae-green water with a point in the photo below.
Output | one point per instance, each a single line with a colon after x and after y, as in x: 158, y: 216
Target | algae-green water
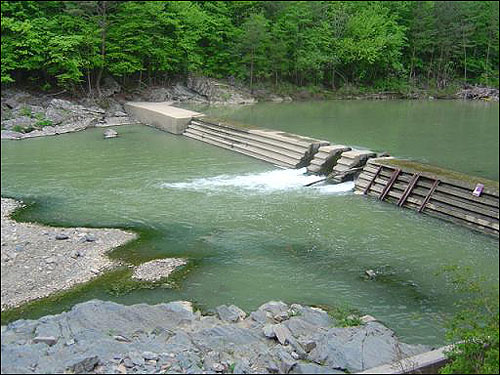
x: 251, y: 232
x: 455, y: 134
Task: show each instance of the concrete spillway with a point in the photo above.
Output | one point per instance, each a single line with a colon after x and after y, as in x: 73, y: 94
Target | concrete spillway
x: 279, y: 148
x: 438, y: 192
x: 161, y: 115
x: 435, y: 191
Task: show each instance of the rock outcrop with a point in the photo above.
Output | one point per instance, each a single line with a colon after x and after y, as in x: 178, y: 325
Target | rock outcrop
x: 105, y: 337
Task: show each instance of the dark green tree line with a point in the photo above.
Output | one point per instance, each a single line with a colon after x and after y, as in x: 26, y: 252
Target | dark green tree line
x: 75, y: 44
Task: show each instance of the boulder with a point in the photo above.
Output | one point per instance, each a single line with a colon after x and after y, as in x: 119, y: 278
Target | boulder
x: 230, y: 314
x: 110, y: 133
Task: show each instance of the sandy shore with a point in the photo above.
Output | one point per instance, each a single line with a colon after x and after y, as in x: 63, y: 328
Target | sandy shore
x: 37, y: 260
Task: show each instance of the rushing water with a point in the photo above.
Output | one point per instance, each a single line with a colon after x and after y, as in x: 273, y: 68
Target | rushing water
x: 252, y: 232
x: 460, y: 135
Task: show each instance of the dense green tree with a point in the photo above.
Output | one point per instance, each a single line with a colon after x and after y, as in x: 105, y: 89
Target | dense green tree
x: 253, y: 43
x: 75, y: 44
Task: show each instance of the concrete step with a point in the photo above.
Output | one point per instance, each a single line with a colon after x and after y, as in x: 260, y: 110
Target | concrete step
x: 282, y: 137
x: 290, y: 138
x: 240, y: 146
x: 245, y: 134
x: 321, y: 155
x: 313, y: 168
x: 347, y: 162
x: 317, y: 162
x: 200, y: 135
x: 274, y: 162
x: 358, y: 154
x: 242, y: 140
x: 266, y: 156
x: 341, y: 168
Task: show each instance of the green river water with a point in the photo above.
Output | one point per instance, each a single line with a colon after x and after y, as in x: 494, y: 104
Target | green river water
x: 253, y: 233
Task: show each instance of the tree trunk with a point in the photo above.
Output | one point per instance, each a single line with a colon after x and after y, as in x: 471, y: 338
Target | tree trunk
x: 487, y: 61
x: 103, y: 10
x: 465, y: 56
x: 333, y: 77
x: 251, y: 72
x: 89, y: 83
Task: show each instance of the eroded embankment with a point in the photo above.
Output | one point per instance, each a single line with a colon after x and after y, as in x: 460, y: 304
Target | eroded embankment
x: 37, y: 260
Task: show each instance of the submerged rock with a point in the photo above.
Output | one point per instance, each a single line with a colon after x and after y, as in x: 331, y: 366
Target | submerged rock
x: 157, y: 269
x: 110, y: 133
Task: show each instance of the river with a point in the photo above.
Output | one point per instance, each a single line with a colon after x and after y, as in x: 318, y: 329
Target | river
x: 252, y: 232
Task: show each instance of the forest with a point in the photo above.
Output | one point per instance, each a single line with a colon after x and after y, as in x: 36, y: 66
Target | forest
x: 331, y: 44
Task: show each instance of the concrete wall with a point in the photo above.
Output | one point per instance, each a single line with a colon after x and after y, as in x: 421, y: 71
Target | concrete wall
x: 161, y: 115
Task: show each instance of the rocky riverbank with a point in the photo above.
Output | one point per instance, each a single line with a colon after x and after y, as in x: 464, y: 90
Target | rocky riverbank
x: 105, y: 337
x: 37, y: 260
x: 28, y: 114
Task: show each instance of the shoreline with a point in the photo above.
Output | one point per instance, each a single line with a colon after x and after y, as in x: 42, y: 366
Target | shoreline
x: 39, y: 260
x: 29, y: 113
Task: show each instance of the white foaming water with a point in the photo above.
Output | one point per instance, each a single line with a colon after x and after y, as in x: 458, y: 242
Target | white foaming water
x: 266, y: 182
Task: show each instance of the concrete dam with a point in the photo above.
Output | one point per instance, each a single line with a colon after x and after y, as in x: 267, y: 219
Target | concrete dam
x: 469, y: 201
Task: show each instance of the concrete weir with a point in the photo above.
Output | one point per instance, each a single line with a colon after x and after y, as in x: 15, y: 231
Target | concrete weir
x: 162, y: 115
x: 279, y: 148
x: 435, y: 191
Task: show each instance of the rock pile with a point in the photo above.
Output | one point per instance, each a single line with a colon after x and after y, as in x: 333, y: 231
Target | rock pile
x: 26, y: 116
x: 478, y: 93
x: 105, y: 337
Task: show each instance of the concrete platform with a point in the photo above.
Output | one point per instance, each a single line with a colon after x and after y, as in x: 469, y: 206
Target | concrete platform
x: 161, y: 115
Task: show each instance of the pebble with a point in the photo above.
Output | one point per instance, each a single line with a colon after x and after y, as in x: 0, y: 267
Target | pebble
x: 31, y: 259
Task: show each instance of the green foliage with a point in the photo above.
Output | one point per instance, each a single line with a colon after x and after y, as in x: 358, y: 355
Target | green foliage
x: 18, y: 128
x: 25, y: 111
x: 474, y: 328
x: 74, y: 44
x: 43, y: 122
x: 343, y: 316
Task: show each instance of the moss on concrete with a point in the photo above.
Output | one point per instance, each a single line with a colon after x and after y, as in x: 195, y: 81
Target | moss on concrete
x: 446, y: 175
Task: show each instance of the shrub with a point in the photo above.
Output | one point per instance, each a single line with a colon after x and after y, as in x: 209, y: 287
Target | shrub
x: 43, y: 122
x: 474, y: 328
x: 25, y: 111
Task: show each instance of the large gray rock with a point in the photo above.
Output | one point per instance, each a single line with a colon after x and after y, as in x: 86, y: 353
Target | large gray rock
x: 359, y: 348
x: 20, y: 122
x: 107, y: 337
x: 230, y: 314
x: 110, y: 87
x: 8, y: 134
x: 312, y: 368
x: 274, y: 308
x: 218, y: 92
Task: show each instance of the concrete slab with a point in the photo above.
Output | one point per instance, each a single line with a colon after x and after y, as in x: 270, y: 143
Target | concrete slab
x: 418, y: 364
x: 161, y: 115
